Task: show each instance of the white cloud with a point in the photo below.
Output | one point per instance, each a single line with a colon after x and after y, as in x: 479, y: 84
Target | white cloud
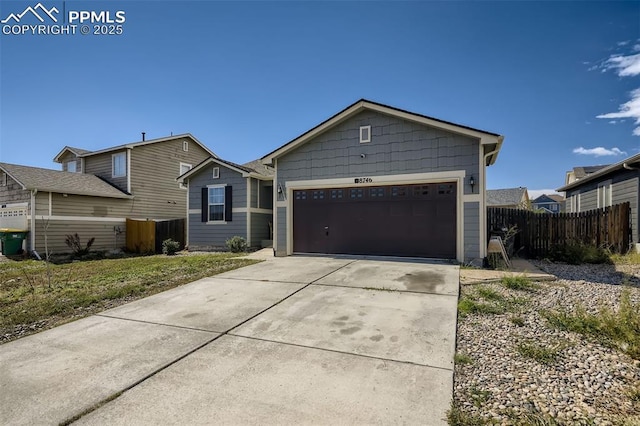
x: 636, y: 47
x: 624, y: 66
x: 623, y: 43
x: 613, y: 122
x: 599, y: 151
x: 629, y: 109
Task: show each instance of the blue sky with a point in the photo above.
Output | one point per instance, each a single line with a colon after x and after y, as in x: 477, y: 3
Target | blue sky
x: 247, y: 77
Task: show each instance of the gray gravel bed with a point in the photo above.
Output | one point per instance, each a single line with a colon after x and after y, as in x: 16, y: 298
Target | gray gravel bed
x: 585, y: 382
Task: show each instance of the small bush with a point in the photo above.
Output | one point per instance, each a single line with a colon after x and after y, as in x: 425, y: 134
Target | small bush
x: 236, y: 244
x: 468, y: 306
x: 170, y: 247
x: 73, y: 242
x: 519, y: 321
x: 579, y: 253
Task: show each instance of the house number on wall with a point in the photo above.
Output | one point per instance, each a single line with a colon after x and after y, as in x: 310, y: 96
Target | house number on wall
x: 363, y: 180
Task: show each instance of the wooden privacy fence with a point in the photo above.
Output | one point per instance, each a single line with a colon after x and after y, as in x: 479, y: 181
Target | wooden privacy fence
x: 538, y: 233
x: 146, y: 236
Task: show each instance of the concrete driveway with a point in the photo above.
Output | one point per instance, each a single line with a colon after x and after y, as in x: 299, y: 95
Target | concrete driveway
x: 289, y: 340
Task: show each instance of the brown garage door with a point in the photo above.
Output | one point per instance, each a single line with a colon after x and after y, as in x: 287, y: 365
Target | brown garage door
x: 406, y: 220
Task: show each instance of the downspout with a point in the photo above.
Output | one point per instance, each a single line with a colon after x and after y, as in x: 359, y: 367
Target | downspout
x: 186, y: 238
x: 483, y: 189
x: 34, y: 192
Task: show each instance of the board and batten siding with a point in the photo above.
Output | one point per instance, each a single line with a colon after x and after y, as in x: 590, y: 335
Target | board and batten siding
x: 212, y: 236
x: 397, y: 147
x: 154, y: 169
x: 471, y: 231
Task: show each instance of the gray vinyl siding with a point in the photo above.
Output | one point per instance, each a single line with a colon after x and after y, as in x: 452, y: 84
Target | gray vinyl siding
x: 13, y: 192
x: 624, y: 187
x: 254, y: 192
x: 397, y: 147
x: 101, y: 166
x: 627, y: 190
x: 81, y: 205
x: 266, y: 194
x: 105, y: 237
x: 472, y: 232
x: 212, y: 236
x: 260, y: 227
x: 70, y: 157
x: 154, y: 169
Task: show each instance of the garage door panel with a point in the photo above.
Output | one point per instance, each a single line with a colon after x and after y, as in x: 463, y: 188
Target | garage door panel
x: 409, y: 220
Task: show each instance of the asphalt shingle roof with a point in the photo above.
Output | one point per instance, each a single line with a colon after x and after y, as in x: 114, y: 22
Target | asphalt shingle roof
x: 259, y: 168
x: 582, y: 171
x: 57, y: 181
x: 505, y: 197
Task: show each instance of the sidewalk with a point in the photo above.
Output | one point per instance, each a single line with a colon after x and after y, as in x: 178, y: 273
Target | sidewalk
x: 519, y: 267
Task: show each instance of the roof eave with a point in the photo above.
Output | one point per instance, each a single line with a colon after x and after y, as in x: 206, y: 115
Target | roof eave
x: 593, y: 176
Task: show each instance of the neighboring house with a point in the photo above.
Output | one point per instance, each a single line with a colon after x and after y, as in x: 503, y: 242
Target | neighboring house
x: 378, y: 180
x: 509, y: 198
x: 227, y: 200
x: 551, y: 203
x: 98, y: 190
x: 580, y: 172
x: 613, y: 184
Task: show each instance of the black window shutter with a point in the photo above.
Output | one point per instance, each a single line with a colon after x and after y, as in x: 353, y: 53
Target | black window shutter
x: 205, y: 204
x: 227, y: 203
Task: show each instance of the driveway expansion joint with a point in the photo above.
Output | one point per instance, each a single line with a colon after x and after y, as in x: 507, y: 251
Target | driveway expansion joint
x: 388, y: 290
x: 158, y: 323
x: 297, y: 345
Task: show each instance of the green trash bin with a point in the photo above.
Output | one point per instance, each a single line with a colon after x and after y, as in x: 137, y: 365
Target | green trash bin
x: 12, y: 240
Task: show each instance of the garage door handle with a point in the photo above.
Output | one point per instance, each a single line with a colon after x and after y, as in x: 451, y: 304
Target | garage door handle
x: 326, y: 230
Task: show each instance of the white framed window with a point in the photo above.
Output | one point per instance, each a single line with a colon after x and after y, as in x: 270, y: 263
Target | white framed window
x: 216, y: 173
x: 216, y: 203
x: 71, y: 166
x: 604, y: 194
x: 185, y: 146
x: 119, y: 165
x: 365, y: 134
x: 184, y: 168
x: 3, y: 179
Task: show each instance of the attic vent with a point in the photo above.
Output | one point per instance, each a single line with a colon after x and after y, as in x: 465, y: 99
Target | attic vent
x: 185, y: 146
x: 365, y: 134
x: 216, y: 172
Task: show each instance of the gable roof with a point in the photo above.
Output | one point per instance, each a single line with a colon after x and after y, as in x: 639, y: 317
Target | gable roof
x: 486, y: 138
x: 551, y: 198
x: 263, y: 172
x: 624, y: 164
x: 85, y: 153
x: 506, y: 197
x: 60, y: 182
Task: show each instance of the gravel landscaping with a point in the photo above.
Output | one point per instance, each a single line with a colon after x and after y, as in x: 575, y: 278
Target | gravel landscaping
x: 513, y: 366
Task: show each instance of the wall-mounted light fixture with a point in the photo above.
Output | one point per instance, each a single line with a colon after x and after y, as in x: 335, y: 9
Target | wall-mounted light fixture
x: 279, y: 189
x: 472, y: 182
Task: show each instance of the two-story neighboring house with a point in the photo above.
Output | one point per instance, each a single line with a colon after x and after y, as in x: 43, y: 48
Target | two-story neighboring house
x: 552, y: 203
x: 96, y: 191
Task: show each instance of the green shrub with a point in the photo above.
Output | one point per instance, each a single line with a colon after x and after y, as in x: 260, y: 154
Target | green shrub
x: 578, y: 253
x: 462, y: 359
x: 237, y: 244
x: 542, y: 354
x: 170, y: 247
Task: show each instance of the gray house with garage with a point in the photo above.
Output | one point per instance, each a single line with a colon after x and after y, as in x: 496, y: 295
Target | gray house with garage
x: 227, y: 200
x: 378, y: 180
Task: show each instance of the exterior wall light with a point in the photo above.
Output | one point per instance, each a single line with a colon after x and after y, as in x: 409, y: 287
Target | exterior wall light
x: 472, y: 182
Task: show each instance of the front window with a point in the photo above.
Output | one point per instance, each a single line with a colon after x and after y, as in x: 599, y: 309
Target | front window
x: 604, y: 194
x: 184, y: 168
x: 71, y: 166
x: 119, y: 164
x: 216, y: 204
